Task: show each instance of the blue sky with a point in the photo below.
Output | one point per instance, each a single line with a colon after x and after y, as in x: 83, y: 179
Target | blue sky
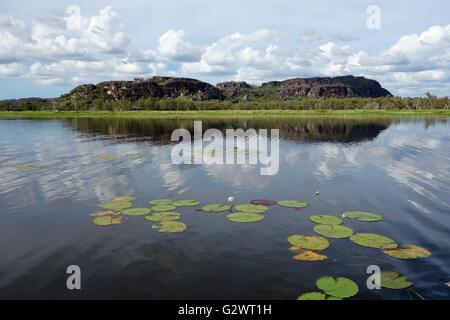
x: 49, y: 47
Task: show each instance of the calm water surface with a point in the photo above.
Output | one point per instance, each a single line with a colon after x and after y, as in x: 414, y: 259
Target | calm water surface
x: 397, y: 167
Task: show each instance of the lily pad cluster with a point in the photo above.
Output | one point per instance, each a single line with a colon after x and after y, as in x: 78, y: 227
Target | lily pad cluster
x: 161, y: 212
x: 332, y: 289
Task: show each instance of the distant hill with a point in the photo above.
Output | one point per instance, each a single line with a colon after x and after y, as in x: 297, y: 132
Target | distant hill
x: 98, y: 96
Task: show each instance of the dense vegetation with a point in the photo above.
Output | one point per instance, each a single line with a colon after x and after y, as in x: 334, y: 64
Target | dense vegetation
x: 185, y: 103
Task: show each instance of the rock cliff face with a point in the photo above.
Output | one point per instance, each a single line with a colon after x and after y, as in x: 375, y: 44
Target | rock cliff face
x: 168, y: 87
x: 348, y: 86
x: 160, y: 87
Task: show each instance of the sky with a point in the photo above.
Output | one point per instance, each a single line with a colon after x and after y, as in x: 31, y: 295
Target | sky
x: 48, y: 47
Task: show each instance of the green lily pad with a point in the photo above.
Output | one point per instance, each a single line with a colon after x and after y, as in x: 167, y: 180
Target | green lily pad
x: 136, y: 211
x: 216, y: 208
x: 373, y: 240
x: 245, y: 217
x: 408, y: 252
x: 116, y: 205
x: 133, y: 155
x: 172, y: 227
x: 312, y: 296
x: 309, y: 242
x: 123, y: 198
x: 108, y: 220
x: 104, y: 213
x: 107, y: 157
x: 251, y: 208
x: 293, y: 203
x: 163, y: 216
x: 163, y: 208
x: 339, y: 288
x: 393, y: 280
x: 30, y: 167
x: 363, y: 216
x: 158, y: 202
x: 336, y: 232
x: 326, y: 219
x: 186, y: 203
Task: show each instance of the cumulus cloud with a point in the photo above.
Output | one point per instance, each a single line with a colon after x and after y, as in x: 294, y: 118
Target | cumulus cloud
x: 75, y: 48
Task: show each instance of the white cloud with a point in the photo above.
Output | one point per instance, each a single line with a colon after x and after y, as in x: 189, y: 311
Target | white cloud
x: 75, y: 48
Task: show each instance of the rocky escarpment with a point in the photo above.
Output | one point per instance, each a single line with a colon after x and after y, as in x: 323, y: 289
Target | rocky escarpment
x: 347, y: 86
x: 156, y: 87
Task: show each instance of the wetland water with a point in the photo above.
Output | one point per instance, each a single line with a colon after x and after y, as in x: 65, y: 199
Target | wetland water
x: 398, y: 167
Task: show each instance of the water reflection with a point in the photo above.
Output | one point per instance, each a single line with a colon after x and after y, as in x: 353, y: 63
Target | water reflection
x: 398, y: 167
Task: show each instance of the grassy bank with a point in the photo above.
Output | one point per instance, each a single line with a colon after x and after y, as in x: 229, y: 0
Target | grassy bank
x: 220, y: 114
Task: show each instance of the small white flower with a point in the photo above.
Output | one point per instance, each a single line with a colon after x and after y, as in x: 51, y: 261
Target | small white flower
x: 448, y: 284
x: 230, y: 199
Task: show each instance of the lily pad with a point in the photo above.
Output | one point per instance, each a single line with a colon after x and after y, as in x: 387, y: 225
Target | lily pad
x: 336, y: 232
x: 123, y: 198
x: 245, y: 217
x: 108, y: 220
x: 306, y: 255
x: 107, y: 157
x: 116, y: 205
x: 158, y: 202
x: 408, y: 252
x: 393, y: 280
x: 263, y: 202
x: 172, y: 227
x: 103, y: 213
x: 373, y: 240
x: 363, y: 216
x: 163, y: 216
x: 339, y: 288
x: 326, y: 219
x: 186, y: 203
x: 309, y: 242
x: 293, y: 203
x: 312, y: 296
x: 216, y: 208
x: 30, y: 167
x: 252, y: 208
x: 136, y: 211
x: 163, y: 208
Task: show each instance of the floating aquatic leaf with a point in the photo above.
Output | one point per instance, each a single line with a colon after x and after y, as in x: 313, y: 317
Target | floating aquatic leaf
x: 363, y: 216
x: 187, y: 203
x: 172, y: 227
x: 30, y: 167
x: 158, y: 202
x: 336, y: 232
x: 133, y: 155
x: 163, y: 216
x: 393, y: 280
x: 408, y: 252
x: 123, y: 198
x: 326, y: 219
x: 293, y: 203
x: 105, y: 213
x: 309, y: 242
x: 312, y: 296
x: 263, y: 202
x: 245, y: 217
x: 306, y: 255
x: 372, y: 240
x: 163, y: 208
x: 107, y: 157
x: 216, y: 208
x: 252, y: 208
x: 339, y: 288
x: 116, y: 205
x: 136, y: 211
x: 108, y: 220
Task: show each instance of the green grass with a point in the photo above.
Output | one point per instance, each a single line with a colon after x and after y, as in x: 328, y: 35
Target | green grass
x: 219, y: 114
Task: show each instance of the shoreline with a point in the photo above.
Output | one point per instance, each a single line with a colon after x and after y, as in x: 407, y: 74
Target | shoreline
x: 220, y: 114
